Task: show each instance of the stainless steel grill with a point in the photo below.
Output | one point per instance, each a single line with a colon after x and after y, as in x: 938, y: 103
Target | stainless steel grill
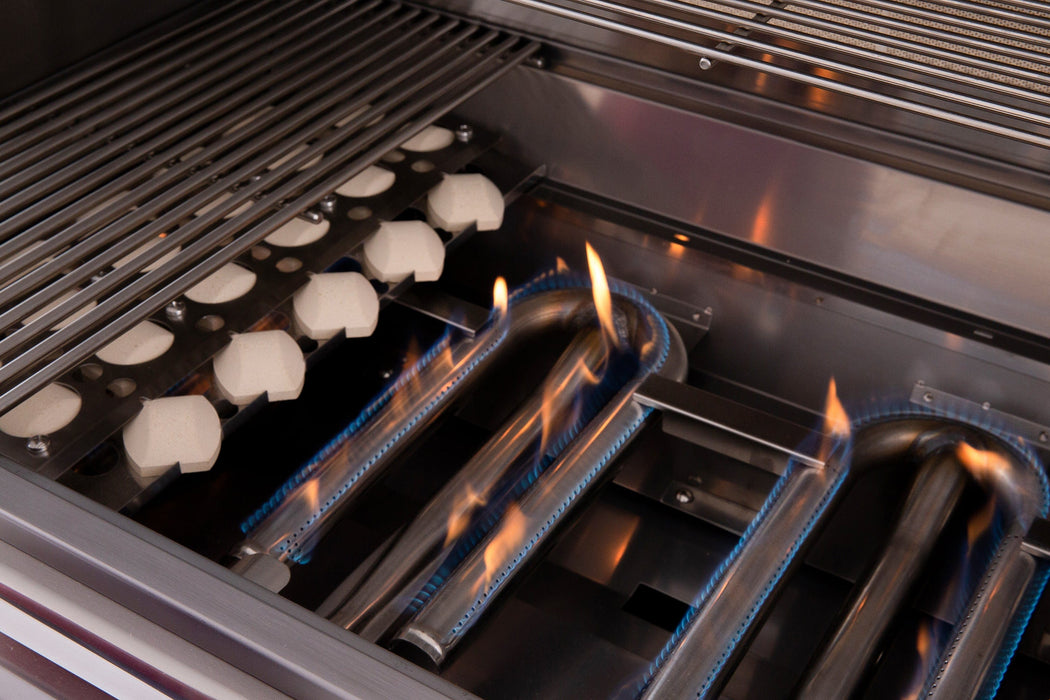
x: 963, y: 62
x: 231, y: 115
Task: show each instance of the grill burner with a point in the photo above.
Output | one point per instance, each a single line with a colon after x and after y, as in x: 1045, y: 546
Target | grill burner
x: 581, y: 492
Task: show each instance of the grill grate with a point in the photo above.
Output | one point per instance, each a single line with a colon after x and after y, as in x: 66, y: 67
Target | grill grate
x: 982, y: 65
x: 155, y: 152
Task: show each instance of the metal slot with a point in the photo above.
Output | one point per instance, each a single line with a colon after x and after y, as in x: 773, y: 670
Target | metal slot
x: 342, y: 83
x: 964, y: 62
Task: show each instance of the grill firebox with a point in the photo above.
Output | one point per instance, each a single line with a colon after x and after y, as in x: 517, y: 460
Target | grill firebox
x: 738, y: 392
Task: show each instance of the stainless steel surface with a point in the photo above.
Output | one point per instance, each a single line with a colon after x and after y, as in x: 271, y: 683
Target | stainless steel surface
x: 907, y: 234
x: 1035, y: 434
x: 962, y: 674
x: 768, y: 433
x: 844, y: 660
x: 463, y: 598
x: 826, y: 73
x: 199, y: 600
x: 420, y: 545
x: 407, y: 99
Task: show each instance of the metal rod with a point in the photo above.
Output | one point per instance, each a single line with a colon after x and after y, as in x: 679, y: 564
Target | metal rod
x: 834, y: 27
x: 462, y: 87
x: 931, y: 500
x: 68, y: 90
x: 914, y: 28
x: 186, y: 232
x: 858, y: 51
x: 735, y: 59
x: 465, y: 596
x: 845, y: 68
x: 422, y: 543
x: 23, y: 168
x: 103, y: 109
x: 85, y: 175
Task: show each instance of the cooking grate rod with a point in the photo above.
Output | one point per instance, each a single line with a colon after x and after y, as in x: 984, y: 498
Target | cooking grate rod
x: 159, y: 98
x: 21, y: 145
x: 912, y: 28
x: 47, y: 101
x: 967, y: 109
x: 981, y: 63
x: 295, y: 78
x: 435, y: 86
x: 260, y: 146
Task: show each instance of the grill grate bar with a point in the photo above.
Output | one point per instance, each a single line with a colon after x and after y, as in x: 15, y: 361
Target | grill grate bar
x: 249, y: 160
x: 18, y: 139
x: 181, y: 139
x: 429, y: 66
x: 989, y: 49
x: 40, y: 103
x: 837, y: 28
x: 893, y: 80
x: 161, y: 96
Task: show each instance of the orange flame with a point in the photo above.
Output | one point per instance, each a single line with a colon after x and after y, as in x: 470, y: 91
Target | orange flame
x: 506, y: 542
x: 924, y: 646
x: 836, y: 420
x: 552, y: 412
x: 984, y: 465
x: 462, y: 509
x: 980, y: 523
x: 499, y: 295
x: 602, y: 297
x: 561, y: 266
x: 311, y: 489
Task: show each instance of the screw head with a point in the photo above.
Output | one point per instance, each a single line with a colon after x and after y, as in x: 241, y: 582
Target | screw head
x: 39, y: 445
x: 986, y: 405
x: 175, y: 310
x: 683, y: 496
x: 327, y: 205
x: 464, y: 133
x: 928, y: 397
x: 705, y: 63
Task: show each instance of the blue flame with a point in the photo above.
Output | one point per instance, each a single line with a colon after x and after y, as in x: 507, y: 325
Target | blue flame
x: 548, y: 281
x: 864, y: 415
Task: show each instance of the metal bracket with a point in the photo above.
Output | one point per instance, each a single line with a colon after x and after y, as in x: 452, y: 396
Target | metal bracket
x: 1035, y: 434
x: 1037, y: 541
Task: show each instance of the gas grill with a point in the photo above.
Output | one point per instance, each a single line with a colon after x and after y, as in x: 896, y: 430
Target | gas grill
x: 574, y: 348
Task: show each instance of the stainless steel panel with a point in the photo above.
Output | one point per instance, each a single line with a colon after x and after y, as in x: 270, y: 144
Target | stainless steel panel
x: 957, y: 247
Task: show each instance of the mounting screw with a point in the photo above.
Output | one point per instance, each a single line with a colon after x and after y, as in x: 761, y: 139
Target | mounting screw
x: 1043, y: 437
x: 683, y: 496
x: 536, y: 62
x: 986, y: 405
x: 39, y: 445
x: 705, y: 63
x: 175, y: 310
x: 327, y: 204
x: 928, y: 397
x: 464, y: 133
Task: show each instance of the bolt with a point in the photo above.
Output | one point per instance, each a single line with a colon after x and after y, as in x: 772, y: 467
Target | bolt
x: 705, y: 63
x: 696, y: 316
x: 653, y: 291
x: 986, y: 405
x: 175, y: 310
x: 327, y: 205
x: 920, y: 383
x: 536, y: 62
x: 928, y: 397
x: 312, y: 215
x: 464, y: 133
x: 387, y: 374
x: 683, y: 496
x: 1043, y: 437
x: 39, y: 445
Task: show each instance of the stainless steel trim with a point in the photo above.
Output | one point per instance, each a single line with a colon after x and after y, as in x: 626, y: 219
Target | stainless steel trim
x: 985, y: 108
x: 283, y: 645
